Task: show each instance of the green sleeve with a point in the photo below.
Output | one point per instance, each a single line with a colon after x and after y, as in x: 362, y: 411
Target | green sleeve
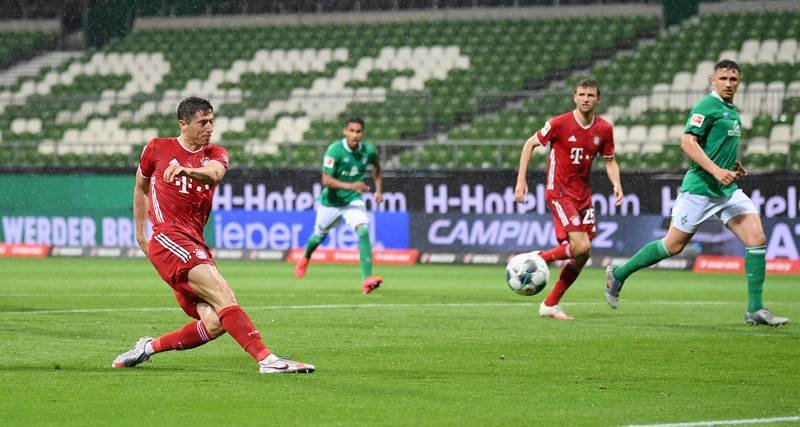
x: 373, y: 156
x: 700, y: 121
x: 329, y: 161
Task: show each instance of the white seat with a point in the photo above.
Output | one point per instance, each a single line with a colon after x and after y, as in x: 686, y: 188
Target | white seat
x: 779, y: 148
x: 787, y: 51
x: 780, y: 134
x: 653, y: 147
x: 749, y: 52
x: 675, y: 133
x: 620, y: 134
x: 754, y: 97
x: 637, y: 133
x: 796, y: 128
x: 793, y: 90
x: 728, y: 54
x: 638, y: 105
x: 659, y: 100
x: 746, y: 119
x: 657, y: 134
x: 756, y: 146
x: 767, y: 52
x: 773, y: 99
x: 681, y: 84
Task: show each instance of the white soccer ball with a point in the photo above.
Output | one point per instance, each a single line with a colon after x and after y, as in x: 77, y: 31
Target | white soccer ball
x: 527, y: 274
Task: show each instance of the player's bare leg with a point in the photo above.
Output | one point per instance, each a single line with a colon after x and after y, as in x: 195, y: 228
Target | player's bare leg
x: 581, y: 248
x: 365, y: 258
x: 207, y: 283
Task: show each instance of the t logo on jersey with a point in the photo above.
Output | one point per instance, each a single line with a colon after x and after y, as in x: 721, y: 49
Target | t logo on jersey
x: 697, y: 120
x: 575, y: 155
x: 328, y: 162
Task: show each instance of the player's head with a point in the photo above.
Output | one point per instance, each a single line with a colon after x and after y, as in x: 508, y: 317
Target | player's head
x: 196, y: 120
x: 726, y: 79
x: 353, y: 130
x: 586, y: 95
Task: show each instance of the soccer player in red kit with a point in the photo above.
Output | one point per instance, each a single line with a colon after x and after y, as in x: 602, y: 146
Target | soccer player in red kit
x: 175, y: 185
x: 575, y: 139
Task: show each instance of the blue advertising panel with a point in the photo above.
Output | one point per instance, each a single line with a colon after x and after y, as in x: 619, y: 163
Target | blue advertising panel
x: 515, y: 233
x: 242, y: 229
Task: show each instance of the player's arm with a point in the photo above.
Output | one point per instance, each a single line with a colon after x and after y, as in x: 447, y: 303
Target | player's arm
x: 141, y: 188
x: 691, y: 146
x: 521, y: 189
x: 612, y: 170
x: 335, y: 184
x: 377, y: 174
x: 211, y: 173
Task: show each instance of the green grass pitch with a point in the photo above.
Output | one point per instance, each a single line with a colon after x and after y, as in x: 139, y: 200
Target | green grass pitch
x: 436, y: 345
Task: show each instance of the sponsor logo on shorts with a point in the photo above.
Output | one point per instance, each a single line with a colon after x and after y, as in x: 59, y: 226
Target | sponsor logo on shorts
x: 575, y: 220
x: 200, y: 254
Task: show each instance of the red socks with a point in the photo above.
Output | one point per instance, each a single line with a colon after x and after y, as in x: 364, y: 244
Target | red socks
x: 241, y: 328
x: 557, y: 253
x: 191, y: 335
x: 568, y: 275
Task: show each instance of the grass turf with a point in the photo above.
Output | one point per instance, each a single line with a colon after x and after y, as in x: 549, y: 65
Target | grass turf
x: 437, y: 345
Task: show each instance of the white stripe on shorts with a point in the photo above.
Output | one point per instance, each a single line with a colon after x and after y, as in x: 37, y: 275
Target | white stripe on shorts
x: 561, y: 214
x: 173, y: 247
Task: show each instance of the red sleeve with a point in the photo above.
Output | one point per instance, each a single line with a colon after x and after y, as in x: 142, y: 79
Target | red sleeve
x: 147, y: 162
x: 608, y: 143
x: 545, y: 134
x: 219, y: 154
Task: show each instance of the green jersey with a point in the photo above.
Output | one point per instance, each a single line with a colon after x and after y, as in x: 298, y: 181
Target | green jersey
x: 717, y: 126
x: 346, y: 165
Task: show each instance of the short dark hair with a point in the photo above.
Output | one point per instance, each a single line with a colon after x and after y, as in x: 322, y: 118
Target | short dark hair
x: 588, y: 83
x: 191, y: 105
x: 358, y: 120
x: 727, y: 64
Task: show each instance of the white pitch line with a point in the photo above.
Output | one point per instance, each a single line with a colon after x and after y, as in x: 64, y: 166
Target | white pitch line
x: 349, y: 306
x: 271, y: 307
x: 723, y: 422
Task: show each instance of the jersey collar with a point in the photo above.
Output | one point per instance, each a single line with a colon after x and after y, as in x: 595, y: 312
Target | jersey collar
x: 186, y: 149
x: 347, y: 147
x: 575, y: 116
x: 716, y: 95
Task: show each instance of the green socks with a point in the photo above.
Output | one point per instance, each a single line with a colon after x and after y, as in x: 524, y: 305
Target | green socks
x: 365, y: 251
x: 650, y: 254
x: 312, y: 244
x: 755, y: 265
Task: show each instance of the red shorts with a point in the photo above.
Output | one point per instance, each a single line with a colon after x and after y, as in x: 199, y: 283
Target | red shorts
x: 173, y: 253
x: 569, y: 216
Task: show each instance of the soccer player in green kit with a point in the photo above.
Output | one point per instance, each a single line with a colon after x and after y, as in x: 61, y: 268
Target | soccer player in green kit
x: 711, y: 140
x: 343, y: 169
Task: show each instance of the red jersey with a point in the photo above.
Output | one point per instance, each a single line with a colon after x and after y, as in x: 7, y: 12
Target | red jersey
x: 183, y: 203
x: 573, y: 147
